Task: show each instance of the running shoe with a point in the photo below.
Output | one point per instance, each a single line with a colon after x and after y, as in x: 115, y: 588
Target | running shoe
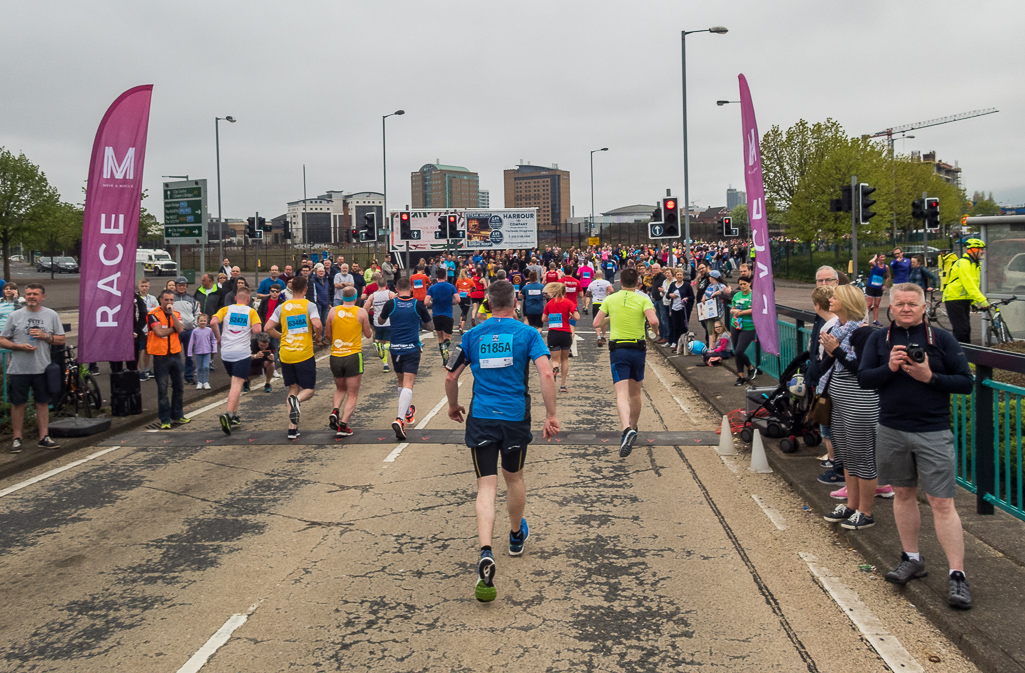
x: 840, y: 513
x: 165, y: 426
x: 857, y: 521
x: 182, y: 420
x: 225, y: 423
x: 245, y: 387
x: 386, y: 367
x: 16, y: 445
x: 885, y: 492
x: 266, y: 387
x: 199, y: 386
x: 48, y: 443
x: 626, y: 442
x: 555, y: 369
x: 839, y: 494
x: 343, y: 430
x: 826, y: 464
x: 332, y: 420
x: 399, y: 426
x: 293, y: 410
x: 206, y: 386
x: 517, y: 540
x: 832, y: 478
x: 411, y: 415
x: 958, y: 595
x: 293, y: 433
x: 236, y: 420
x: 907, y: 570
x: 485, y: 590
x: 563, y: 389
x: 877, y: 323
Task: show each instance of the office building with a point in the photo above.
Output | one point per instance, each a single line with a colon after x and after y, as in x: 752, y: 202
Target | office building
x: 735, y: 198
x: 324, y: 219
x: 546, y: 189
x: 440, y: 186
x: 483, y: 198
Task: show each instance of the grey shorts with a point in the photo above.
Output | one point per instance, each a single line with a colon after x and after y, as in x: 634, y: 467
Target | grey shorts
x: 909, y: 458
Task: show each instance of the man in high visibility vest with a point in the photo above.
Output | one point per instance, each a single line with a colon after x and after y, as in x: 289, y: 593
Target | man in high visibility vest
x: 962, y: 290
x: 300, y: 324
x: 164, y: 345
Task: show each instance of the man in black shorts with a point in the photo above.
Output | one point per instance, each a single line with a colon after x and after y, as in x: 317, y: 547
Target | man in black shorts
x: 499, y: 352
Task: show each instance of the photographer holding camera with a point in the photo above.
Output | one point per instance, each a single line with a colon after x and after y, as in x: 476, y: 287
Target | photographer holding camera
x: 915, y: 368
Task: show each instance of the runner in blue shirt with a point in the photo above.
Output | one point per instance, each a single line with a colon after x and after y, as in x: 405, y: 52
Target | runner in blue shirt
x: 533, y: 301
x: 499, y: 352
x: 440, y: 298
x: 406, y: 314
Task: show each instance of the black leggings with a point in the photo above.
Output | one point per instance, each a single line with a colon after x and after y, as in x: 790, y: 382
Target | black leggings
x: 741, y: 340
x: 678, y: 325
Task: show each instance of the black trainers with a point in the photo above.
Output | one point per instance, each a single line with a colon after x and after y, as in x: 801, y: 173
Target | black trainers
x: 293, y: 434
x: 517, y: 539
x: 831, y: 478
x: 858, y: 520
x: 293, y: 410
x: 958, y: 595
x: 16, y: 445
x: 626, y: 442
x: 236, y: 420
x: 839, y: 513
x: 343, y: 430
x: 332, y: 420
x: 48, y: 443
x: 225, y: 423
x: 907, y: 570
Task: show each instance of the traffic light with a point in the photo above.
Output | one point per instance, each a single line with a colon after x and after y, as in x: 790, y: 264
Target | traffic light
x: 406, y: 231
x: 865, y: 204
x: 261, y: 223
x: 845, y: 203
x: 918, y: 209
x: 932, y: 213
x: 453, y: 227
x: 442, y: 232
x: 656, y: 215
x: 286, y: 229
x: 727, y: 228
x: 251, y: 227
x: 369, y: 230
x: 671, y: 217
x: 353, y: 235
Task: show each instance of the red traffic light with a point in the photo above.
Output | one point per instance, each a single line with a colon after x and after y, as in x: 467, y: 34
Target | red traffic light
x: 451, y: 219
x: 404, y: 217
x: 670, y: 204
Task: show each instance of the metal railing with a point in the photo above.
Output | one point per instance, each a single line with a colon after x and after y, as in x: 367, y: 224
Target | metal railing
x: 986, y: 424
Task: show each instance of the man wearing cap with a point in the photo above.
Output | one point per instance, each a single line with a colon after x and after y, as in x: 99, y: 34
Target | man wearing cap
x: 189, y: 309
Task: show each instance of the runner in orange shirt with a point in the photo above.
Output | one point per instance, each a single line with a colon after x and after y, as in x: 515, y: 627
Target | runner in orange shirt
x: 420, y: 282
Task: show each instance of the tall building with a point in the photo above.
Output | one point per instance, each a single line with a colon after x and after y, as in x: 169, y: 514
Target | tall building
x: 546, y: 189
x: 735, y: 198
x: 951, y: 174
x: 439, y: 186
x: 483, y: 198
x: 325, y: 218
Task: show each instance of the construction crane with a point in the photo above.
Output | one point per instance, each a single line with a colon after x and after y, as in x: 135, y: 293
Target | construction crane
x: 932, y: 122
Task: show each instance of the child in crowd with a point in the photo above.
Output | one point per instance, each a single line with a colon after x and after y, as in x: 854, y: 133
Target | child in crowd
x: 722, y: 346
x: 202, y: 345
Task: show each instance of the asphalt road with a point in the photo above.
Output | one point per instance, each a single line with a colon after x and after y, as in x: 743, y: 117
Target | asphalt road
x: 358, y: 555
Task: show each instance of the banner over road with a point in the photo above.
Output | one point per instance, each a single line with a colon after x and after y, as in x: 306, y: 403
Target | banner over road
x: 508, y: 229
x: 764, y: 299
x: 110, y: 232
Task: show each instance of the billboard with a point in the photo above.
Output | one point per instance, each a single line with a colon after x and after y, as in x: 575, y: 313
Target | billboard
x: 509, y: 229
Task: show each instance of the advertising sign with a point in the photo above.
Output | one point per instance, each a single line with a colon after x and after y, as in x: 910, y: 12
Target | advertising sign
x: 185, y: 212
x: 510, y: 229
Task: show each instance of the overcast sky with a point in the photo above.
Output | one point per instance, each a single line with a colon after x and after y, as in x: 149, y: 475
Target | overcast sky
x: 487, y: 84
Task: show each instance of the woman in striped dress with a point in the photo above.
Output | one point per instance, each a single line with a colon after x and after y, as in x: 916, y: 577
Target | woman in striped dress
x: 855, y: 411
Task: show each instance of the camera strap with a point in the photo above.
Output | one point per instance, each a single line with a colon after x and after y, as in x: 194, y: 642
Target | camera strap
x: 930, y: 335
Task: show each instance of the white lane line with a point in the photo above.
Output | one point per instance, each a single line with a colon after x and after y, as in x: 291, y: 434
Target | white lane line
x: 669, y: 390
x: 771, y: 512
x: 884, y: 642
x: 199, y: 659
x: 203, y: 410
x: 420, y: 426
x: 47, y: 475
x: 733, y: 465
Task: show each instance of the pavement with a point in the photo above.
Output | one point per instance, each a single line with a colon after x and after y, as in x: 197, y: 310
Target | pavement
x: 188, y: 550
x: 991, y: 634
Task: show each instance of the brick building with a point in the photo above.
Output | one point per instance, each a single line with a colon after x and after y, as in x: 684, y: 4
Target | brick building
x: 440, y: 186
x: 546, y: 189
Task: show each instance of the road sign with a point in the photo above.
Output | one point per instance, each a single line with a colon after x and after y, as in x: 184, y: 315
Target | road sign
x: 593, y: 240
x: 185, y: 212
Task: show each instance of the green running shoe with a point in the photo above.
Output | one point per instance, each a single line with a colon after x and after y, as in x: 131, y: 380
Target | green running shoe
x: 485, y: 590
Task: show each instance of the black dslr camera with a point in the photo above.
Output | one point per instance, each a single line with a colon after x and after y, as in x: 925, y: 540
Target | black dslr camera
x: 916, y: 353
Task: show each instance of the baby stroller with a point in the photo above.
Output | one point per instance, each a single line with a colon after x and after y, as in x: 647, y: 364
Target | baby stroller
x: 783, y: 411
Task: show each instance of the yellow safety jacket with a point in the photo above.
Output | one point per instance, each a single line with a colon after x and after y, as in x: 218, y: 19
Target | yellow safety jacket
x: 963, y: 281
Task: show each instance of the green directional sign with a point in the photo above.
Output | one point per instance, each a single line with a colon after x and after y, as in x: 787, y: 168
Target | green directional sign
x: 179, y: 193
x: 185, y: 212
x: 181, y: 231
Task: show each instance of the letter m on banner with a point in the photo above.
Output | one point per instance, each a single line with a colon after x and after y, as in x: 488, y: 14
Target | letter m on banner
x: 122, y: 171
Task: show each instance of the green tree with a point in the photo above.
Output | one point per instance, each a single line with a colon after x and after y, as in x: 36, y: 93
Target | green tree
x: 983, y: 205
x: 54, y: 227
x: 23, y: 190
x: 739, y: 215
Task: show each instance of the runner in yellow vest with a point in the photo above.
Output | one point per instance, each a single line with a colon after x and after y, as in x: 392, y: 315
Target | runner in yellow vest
x: 347, y: 324
x: 300, y: 325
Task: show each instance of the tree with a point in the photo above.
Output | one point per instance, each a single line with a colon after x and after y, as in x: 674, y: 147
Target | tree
x: 55, y: 227
x: 983, y: 205
x: 739, y: 215
x: 23, y: 190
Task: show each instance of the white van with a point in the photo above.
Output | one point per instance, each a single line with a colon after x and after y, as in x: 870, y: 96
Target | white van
x: 156, y: 262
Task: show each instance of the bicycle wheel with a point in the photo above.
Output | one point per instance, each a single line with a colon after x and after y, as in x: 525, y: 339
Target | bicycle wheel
x: 1004, y: 334
x: 91, y: 391
x: 940, y: 317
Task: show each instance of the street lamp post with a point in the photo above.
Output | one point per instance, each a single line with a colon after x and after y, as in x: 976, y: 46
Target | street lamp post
x: 384, y: 162
x: 719, y: 30
x: 220, y: 219
x: 604, y: 149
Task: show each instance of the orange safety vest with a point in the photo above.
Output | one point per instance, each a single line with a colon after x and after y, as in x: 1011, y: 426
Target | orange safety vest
x: 158, y: 345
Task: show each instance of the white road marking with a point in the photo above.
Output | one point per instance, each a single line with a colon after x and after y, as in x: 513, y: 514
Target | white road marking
x: 420, y: 426
x: 199, y: 659
x: 47, y: 475
x: 884, y: 642
x: 203, y: 410
x: 669, y: 390
x: 732, y: 464
x: 771, y: 512
x: 395, y: 452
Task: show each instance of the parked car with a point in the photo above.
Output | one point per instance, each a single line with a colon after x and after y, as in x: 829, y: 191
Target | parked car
x: 156, y: 262
x: 931, y: 254
x: 66, y: 265
x: 1014, y: 274
x: 16, y: 258
x: 44, y: 264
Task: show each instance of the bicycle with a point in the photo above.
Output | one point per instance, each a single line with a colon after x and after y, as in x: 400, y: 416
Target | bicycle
x: 935, y: 311
x: 998, y: 331
x: 79, y: 387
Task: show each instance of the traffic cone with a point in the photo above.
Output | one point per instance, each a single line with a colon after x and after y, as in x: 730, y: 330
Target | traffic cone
x: 759, y: 463
x: 726, y: 447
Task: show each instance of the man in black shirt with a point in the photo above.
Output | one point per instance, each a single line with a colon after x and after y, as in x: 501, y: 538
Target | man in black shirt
x: 656, y: 294
x: 916, y: 368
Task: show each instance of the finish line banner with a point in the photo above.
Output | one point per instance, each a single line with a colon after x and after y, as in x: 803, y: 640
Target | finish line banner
x: 764, y: 299
x: 110, y: 231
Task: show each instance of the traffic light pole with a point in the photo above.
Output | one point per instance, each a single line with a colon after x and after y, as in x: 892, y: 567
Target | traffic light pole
x: 855, y: 216
x: 925, y: 232
x: 256, y: 248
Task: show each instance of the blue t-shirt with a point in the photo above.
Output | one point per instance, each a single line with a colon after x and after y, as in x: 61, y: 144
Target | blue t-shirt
x: 499, y: 352
x: 266, y: 283
x: 533, y: 299
x: 876, y: 276
x: 900, y: 271
x: 441, y: 297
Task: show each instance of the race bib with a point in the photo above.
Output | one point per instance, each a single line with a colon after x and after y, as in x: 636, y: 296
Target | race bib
x: 418, y: 283
x: 463, y: 294
x: 875, y: 281
x: 516, y: 288
x: 555, y: 320
x: 534, y: 293
x: 496, y: 352
x: 239, y: 320
x: 297, y: 324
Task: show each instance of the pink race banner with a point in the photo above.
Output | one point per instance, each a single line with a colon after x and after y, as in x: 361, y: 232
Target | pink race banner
x: 110, y: 231
x: 764, y: 299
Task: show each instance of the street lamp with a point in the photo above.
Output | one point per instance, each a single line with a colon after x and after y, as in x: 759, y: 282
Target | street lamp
x: 220, y: 220
x: 604, y: 149
x: 719, y: 30
x: 384, y: 153
x: 720, y: 103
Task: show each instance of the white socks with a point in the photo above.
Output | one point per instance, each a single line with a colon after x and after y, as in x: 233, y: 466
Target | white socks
x: 914, y: 556
x: 405, y: 398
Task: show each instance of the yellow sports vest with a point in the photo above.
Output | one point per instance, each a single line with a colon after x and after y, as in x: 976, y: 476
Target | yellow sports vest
x: 296, y: 332
x: 346, y: 331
